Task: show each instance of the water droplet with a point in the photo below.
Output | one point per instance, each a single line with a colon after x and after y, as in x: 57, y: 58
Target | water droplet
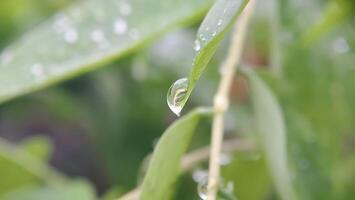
x: 120, y: 26
x: 225, y: 159
x: 98, y: 36
x: 197, y: 46
x: 214, y: 33
x: 61, y: 24
x: 199, y: 175
x: 125, y: 9
x: 202, y: 188
x: 37, y: 71
x: 220, y: 22
x: 71, y: 36
x: 134, y: 33
x: 176, y: 95
x: 340, y: 45
x: 207, y: 28
x: 6, y: 57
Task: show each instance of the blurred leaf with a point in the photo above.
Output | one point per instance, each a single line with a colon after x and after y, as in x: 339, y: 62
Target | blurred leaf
x: 38, y: 146
x: 75, y: 190
x: 84, y: 37
x: 212, y: 31
x: 19, y: 168
x: 336, y: 13
x: 271, y: 128
x: 164, y: 166
x: 250, y: 176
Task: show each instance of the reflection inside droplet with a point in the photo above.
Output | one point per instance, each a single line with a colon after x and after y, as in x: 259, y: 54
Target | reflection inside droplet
x: 176, y: 95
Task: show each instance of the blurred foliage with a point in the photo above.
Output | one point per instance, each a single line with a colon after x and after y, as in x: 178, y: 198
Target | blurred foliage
x: 87, y: 137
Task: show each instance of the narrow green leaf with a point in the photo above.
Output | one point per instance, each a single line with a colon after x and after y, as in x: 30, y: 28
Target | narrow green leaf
x: 271, y: 128
x: 20, y: 168
x: 213, y: 29
x: 84, y: 37
x: 39, y: 147
x: 164, y: 166
x: 78, y: 190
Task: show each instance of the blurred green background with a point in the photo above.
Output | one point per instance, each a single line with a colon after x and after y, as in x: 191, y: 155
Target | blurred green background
x: 87, y: 138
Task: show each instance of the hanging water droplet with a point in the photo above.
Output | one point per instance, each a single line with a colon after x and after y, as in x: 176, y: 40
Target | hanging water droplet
x: 220, y: 22
x: 199, y: 175
x: 120, y: 26
x: 197, y: 46
x: 176, y: 95
x: 202, y: 188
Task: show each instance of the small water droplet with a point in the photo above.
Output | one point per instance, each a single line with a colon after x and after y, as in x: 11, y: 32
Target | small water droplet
x: 71, y: 36
x: 125, y: 9
x: 225, y: 159
x: 98, y: 36
x: 197, y: 46
x: 6, y: 57
x: 176, y: 95
x: 340, y: 45
x: 134, y: 33
x: 207, y: 28
x: 120, y: 26
x: 37, y: 71
x: 202, y: 188
x: 214, y: 33
x: 199, y: 175
x: 220, y: 22
x: 61, y: 24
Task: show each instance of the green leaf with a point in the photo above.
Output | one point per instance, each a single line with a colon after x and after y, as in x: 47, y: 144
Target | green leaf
x: 336, y: 13
x: 84, y: 37
x: 19, y: 168
x: 164, y: 166
x: 38, y: 146
x: 271, y: 128
x: 78, y: 190
x: 212, y: 31
x: 246, y: 171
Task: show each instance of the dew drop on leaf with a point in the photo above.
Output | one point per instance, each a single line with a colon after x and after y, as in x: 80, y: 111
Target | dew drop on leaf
x: 37, y: 71
x: 125, y: 9
x: 197, y: 46
x: 120, y: 26
x: 71, y: 36
x: 176, y: 95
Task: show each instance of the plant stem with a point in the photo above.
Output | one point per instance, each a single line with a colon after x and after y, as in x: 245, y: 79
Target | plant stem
x: 221, y: 98
x: 192, y: 159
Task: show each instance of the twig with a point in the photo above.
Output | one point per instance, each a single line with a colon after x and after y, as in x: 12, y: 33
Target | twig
x: 221, y: 98
x: 194, y: 158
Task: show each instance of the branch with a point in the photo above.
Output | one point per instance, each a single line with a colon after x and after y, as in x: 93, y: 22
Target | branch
x: 221, y: 98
